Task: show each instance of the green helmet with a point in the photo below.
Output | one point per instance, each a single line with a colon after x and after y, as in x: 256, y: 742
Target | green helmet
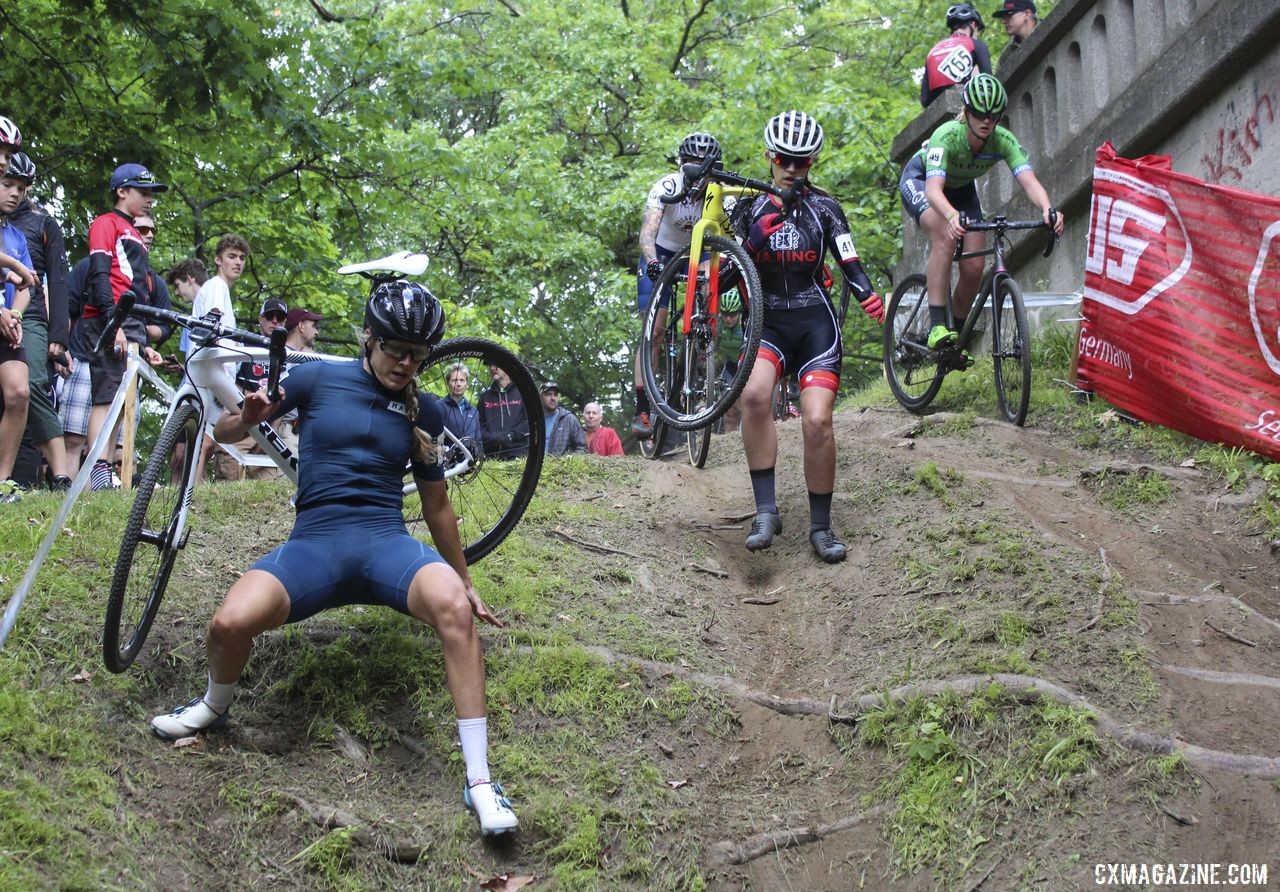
x: 984, y: 95
x: 731, y: 302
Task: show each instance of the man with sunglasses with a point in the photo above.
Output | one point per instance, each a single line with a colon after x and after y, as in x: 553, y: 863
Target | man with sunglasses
x: 664, y: 230
x: 801, y: 332
x: 1019, y: 20
x: 251, y: 377
x: 938, y: 190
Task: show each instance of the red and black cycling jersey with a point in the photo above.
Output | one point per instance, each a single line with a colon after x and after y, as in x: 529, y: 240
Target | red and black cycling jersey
x: 117, y: 263
x: 790, y: 262
x: 952, y: 60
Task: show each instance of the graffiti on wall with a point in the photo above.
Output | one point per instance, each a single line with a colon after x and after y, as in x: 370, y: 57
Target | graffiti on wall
x: 1235, y: 148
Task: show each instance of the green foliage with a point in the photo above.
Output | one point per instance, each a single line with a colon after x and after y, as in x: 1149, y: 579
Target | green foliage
x: 514, y: 143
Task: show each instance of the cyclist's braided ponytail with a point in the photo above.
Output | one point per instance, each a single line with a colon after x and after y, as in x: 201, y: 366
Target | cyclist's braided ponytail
x: 424, y: 448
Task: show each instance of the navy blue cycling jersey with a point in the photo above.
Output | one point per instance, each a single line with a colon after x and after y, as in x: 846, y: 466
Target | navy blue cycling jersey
x: 355, y: 435
x: 790, y: 264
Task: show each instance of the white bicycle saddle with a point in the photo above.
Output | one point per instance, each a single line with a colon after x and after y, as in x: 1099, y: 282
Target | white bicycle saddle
x: 404, y: 262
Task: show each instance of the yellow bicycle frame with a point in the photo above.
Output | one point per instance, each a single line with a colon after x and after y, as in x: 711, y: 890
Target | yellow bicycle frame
x: 715, y: 221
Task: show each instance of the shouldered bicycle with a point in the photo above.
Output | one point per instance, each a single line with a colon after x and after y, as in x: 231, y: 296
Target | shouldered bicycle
x: 489, y: 492
x: 915, y: 372
x: 681, y: 355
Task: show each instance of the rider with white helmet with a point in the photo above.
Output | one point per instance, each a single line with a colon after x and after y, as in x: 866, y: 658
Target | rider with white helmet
x: 801, y: 332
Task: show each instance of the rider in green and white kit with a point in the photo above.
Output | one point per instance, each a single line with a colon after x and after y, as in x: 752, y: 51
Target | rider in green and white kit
x: 938, y: 190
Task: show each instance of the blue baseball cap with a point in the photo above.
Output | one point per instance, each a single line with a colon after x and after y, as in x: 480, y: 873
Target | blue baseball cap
x: 137, y: 176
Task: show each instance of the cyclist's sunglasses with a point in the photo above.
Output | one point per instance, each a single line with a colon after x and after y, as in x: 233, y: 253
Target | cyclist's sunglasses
x: 986, y: 116
x: 400, y: 351
x: 785, y: 161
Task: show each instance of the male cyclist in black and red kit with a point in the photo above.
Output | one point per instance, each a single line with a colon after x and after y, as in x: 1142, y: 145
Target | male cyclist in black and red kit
x: 801, y: 333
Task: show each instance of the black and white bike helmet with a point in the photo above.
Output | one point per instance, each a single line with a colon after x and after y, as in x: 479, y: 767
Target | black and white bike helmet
x: 963, y: 14
x: 697, y: 146
x: 10, y: 135
x: 793, y: 133
x: 21, y: 168
x: 404, y: 311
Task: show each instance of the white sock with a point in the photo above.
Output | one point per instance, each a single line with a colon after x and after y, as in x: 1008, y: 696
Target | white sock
x: 474, y: 736
x: 219, y: 696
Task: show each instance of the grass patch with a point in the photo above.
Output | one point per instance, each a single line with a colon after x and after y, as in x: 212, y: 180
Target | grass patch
x: 967, y: 766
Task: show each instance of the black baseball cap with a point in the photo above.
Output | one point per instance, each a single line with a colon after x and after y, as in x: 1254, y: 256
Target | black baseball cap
x: 1009, y: 7
x: 551, y: 385
x: 274, y: 305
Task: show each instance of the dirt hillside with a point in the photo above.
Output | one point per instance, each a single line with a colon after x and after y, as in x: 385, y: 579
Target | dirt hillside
x: 1100, y: 639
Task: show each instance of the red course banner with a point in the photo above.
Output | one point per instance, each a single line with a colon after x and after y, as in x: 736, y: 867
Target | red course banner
x: 1182, y: 302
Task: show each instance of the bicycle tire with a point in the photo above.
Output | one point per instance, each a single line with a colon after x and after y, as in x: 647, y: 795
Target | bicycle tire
x: 1011, y: 351
x: 142, y: 574
x: 911, y: 369
x: 662, y: 397
x: 651, y: 446
x: 704, y: 380
x: 490, y: 497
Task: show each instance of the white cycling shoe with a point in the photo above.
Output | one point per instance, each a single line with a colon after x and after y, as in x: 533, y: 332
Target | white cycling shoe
x: 188, y: 720
x: 492, y: 808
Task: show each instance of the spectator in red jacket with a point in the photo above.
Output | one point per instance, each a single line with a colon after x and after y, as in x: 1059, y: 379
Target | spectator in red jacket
x: 601, y: 440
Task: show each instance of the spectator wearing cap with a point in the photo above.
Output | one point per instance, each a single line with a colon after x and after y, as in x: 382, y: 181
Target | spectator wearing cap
x: 117, y: 263
x: 1019, y: 19
x: 303, y: 329
x: 601, y: 440
x: 564, y: 431
x: 251, y: 377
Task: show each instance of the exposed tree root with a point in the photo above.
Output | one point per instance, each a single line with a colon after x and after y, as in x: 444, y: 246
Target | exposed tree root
x: 1209, y: 675
x: 1102, y: 594
x: 1128, y: 467
x: 1025, y: 688
x: 1166, y: 599
x: 331, y: 817
x: 605, y: 549
x: 729, y: 852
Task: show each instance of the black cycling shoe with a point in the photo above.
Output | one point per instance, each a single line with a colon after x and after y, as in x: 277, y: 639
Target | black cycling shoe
x: 60, y: 483
x: 827, y: 546
x: 765, y: 526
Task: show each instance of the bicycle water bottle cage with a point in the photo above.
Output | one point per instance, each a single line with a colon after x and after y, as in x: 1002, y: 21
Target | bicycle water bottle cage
x: 404, y: 263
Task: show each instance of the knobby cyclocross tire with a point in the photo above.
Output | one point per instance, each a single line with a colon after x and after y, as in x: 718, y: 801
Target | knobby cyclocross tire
x: 490, y: 497
x: 910, y: 367
x: 671, y: 339
x: 1011, y: 351
x: 148, y: 549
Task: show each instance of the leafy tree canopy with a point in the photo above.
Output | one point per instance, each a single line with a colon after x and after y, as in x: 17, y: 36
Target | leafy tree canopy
x: 513, y: 140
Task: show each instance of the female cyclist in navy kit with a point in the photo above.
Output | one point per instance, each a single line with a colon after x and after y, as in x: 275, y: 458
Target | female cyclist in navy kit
x: 362, y: 422
x: 801, y: 333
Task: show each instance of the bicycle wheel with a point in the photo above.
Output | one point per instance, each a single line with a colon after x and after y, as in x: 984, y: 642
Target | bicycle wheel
x: 911, y: 369
x: 491, y: 493
x: 149, y: 547
x: 651, y: 447
x: 670, y: 341
x: 703, y: 380
x: 1011, y: 351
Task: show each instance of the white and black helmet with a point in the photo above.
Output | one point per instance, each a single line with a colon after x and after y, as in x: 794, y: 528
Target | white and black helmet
x: 697, y: 146
x: 10, y: 135
x: 21, y: 168
x: 793, y: 133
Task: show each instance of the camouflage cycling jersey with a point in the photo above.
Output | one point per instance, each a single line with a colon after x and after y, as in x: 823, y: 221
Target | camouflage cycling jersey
x: 947, y: 154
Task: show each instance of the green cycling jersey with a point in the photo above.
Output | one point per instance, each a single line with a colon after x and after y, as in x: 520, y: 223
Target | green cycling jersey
x: 948, y: 154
